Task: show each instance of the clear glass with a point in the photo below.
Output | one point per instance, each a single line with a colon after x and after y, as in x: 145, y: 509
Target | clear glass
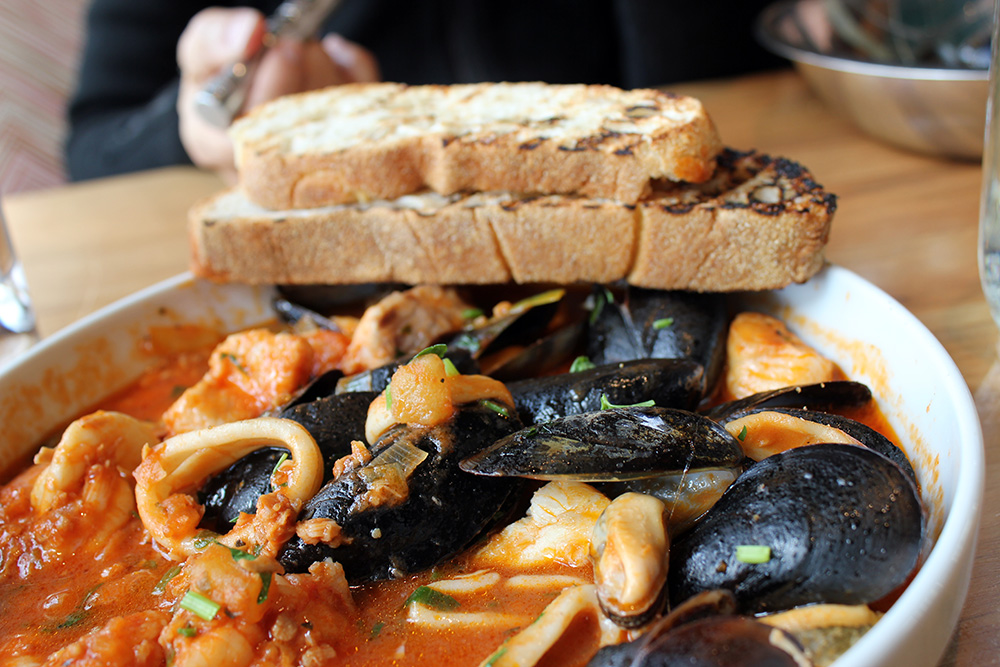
x: 989, y: 213
x: 17, y: 318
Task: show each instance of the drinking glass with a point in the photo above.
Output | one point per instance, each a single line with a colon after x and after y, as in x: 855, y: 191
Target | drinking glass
x: 989, y: 213
x: 17, y: 318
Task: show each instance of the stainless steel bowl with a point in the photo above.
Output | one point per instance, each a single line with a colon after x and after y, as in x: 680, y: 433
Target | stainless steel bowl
x: 936, y: 111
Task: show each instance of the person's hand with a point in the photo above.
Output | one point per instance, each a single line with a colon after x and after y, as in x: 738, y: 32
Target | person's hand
x: 217, y: 37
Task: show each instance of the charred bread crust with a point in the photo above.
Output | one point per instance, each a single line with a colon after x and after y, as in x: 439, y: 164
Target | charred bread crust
x: 593, y: 141
x: 759, y: 223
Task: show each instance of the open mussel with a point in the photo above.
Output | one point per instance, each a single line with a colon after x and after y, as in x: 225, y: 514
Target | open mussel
x: 333, y: 421
x: 610, y: 445
x: 673, y: 383
x: 687, y: 495
x: 825, y: 523
x: 703, y: 632
x: 822, y: 396
x: 410, y: 506
x: 659, y: 324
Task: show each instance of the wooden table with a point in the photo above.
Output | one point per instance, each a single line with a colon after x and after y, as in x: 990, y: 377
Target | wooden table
x: 906, y: 223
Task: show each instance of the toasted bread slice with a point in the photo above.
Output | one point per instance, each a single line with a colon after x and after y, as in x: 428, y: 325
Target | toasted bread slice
x: 364, y: 142
x: 760, y: 223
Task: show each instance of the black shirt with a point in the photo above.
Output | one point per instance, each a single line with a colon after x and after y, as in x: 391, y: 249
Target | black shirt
x: 123, y: 115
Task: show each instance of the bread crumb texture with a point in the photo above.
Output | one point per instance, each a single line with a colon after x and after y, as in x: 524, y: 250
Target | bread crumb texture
x: 758, y: 223
x: 364, y: 142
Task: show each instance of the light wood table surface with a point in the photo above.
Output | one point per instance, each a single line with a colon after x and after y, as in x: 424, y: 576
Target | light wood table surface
x: 906, y: 223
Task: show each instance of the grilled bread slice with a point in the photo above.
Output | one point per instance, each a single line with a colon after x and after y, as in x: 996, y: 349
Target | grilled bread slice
x: 760, y: 223
x: 365, y: 142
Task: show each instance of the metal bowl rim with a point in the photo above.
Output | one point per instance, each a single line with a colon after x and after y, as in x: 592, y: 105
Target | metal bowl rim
x: 769, y: 40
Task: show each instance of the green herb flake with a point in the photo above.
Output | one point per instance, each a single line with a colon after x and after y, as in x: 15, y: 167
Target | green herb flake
x: 165, y: 579
x: 471, y: 313
x: 663, y: 323
x: 429, y: 597
x: 80, y: 613
x: 265, y: 586
x: 498, y: 408
x: 376, y: 630
x: 277, y: 466
x: 581, y: 363
x: 199, y: 605
x: 187, y: 631
x: 239, y: 554
x: 608, y: 405
x: 753, y: 554
x: 449, y: 368
x: 234, y: 360
x: 743, y: 434
x: 177, y: 390
x: 388, y: 396
x: 204, y: 539
x: 440, y: 350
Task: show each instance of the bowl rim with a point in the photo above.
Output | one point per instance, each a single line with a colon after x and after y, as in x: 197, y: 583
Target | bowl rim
x: 768, y: 38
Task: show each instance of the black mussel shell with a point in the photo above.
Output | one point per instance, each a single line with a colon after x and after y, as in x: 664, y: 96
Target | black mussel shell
x: 670, y: 383
x: 720, y: 641
x: 822, y: 396
x: 610, y: 445
x: 863, y: 433
x: 334, y: 422
x: 844, y: 525
x: 443, y: 512
x: 661, y: 325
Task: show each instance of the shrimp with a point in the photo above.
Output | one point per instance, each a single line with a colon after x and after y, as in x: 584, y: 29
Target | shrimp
x: 249, y: 373
x: 762, y: 354
x: 401, y: 323
x: 102, y: 438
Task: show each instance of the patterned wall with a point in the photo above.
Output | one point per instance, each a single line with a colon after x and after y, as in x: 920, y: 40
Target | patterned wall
x: 39, y: 46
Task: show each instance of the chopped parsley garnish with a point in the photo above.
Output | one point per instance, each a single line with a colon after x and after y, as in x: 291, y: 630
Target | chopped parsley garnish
x: 449, y: 368
x: 471, y: 313
x: 265, y: 586
x: 581, y: 363
x: 434, y: 599
x: 440, y: 350
x: 501, y: 410
x: 663, y: 323
x: 165, y: 579
x: 743, y: 434
x: 376, y: 630
x: 187, y: 631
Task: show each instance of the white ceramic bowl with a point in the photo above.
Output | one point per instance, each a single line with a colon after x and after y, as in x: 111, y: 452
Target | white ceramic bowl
x: 873, y: 338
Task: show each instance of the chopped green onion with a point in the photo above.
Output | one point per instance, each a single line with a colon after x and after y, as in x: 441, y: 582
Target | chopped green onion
x: 551, y: 296
x: 235, y: 361
x: 377, y: 629
x: 753, y: 553
x: 199, y: 605
x: 440, y: 350
x: 187, y: 631
x: 204, y: 539
x: 743, y: 434
x: 388, y: 396
x: 281, y: 461
x: 501, y: 410
x: 265, y: 586
x: 581, y: 363
x: 429, y: 597
x: 608, y: 405
x: 471, y: 313
x: 165, y: 579
x: 449, y: 368
x: 663, y: 323
x: 239, y: 554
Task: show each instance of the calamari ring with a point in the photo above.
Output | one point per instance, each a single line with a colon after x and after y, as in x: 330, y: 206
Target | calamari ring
x: 181, y: 462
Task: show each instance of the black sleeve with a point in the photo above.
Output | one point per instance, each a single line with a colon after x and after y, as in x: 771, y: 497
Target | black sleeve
x: 123, y: 114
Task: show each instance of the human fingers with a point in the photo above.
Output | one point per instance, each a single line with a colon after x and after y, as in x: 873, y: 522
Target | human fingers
x: 357, y: 62
x: 216, y: 37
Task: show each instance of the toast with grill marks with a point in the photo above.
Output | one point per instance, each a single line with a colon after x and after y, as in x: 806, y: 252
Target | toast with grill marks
x: 759, y: 223
x: 366, y: 142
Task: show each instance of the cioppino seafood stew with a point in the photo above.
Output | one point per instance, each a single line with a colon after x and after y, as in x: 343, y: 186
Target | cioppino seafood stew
x: 425, y: 475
